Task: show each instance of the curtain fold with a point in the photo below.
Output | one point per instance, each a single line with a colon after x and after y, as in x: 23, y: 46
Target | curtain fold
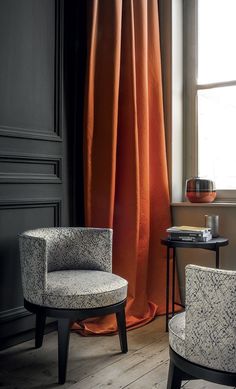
x: 125, y: 169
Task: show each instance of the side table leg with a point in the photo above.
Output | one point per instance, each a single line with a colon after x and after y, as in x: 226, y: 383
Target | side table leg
x: 173, y: 283
x: 167, y: 286
x: 217, y: 257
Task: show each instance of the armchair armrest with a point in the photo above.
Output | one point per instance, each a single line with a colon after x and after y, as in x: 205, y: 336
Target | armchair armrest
x: 210, y: 317
x: 33, y: 267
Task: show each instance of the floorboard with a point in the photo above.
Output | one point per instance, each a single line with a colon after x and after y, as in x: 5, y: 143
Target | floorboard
x: 94, y: 362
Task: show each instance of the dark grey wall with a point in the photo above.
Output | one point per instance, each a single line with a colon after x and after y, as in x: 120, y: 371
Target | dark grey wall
x: 36, y: 138
x: 193, y: 214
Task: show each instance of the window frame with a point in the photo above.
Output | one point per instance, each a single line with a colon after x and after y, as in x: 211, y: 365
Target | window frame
x: 190, y: 90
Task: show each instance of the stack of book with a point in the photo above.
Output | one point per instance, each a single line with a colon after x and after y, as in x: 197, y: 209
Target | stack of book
x: 190, y: 234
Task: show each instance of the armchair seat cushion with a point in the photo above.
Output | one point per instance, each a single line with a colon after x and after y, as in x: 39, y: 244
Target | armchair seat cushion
x: 177, y: 334
x: 82, y: 289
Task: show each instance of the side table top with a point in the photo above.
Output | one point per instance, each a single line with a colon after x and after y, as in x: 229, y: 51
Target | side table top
x: 210, y: 245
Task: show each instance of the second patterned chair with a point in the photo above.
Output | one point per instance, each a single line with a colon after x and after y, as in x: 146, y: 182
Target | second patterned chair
x: 203, y: 339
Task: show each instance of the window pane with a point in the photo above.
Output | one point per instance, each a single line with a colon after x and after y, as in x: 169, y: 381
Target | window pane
x: 217, y: 136
x: 216, y: 40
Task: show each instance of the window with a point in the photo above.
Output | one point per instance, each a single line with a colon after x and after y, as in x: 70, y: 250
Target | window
x: 210, y: 92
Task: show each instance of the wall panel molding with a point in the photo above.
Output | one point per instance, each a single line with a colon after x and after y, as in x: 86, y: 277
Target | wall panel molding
x: 35, y: 203
x: 29, y: 168
x: 20, y: 312
x: 55, y: 133
x: 28, y: 134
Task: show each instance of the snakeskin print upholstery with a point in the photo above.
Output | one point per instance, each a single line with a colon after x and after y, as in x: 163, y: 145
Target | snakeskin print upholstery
x: 177, y: 334
x: 75, y: 289
x: 69, y: 268
x: 207, y: 332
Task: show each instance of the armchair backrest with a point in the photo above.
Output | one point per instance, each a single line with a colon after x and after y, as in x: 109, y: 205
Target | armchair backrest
x: 211, y: 317
x: 75, y: 247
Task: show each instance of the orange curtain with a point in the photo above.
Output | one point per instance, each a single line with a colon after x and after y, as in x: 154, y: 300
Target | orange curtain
x: 126, y: 185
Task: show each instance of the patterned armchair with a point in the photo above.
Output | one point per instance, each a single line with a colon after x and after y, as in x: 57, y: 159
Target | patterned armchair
x: 203, y: 339
x: 67, y: 274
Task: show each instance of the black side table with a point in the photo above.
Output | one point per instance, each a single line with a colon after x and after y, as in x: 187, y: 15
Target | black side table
x: 213, y: 245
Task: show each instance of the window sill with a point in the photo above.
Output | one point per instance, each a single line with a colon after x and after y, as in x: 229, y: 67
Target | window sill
x: 211, y: 205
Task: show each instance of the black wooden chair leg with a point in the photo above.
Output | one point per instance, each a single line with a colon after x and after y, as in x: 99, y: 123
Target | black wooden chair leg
x: 120, y: 317
x: 63, y: 345
x: 39, y: 330
x: 174, y: 377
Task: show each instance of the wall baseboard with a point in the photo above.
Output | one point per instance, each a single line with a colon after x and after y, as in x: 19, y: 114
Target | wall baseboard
x: 21, y: 337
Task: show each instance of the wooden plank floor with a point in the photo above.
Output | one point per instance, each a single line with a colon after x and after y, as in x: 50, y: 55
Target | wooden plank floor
x: 94, y: 362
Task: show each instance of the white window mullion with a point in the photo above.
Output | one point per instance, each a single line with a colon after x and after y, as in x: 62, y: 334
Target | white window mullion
x: 190, y: 93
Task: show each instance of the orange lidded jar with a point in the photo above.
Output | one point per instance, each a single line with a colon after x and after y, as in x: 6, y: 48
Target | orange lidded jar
x: 200, y: 190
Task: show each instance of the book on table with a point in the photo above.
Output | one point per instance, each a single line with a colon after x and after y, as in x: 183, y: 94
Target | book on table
x: 189, y: 233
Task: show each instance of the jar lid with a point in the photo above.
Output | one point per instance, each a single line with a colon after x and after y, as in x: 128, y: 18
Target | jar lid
x: 197, y: 184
